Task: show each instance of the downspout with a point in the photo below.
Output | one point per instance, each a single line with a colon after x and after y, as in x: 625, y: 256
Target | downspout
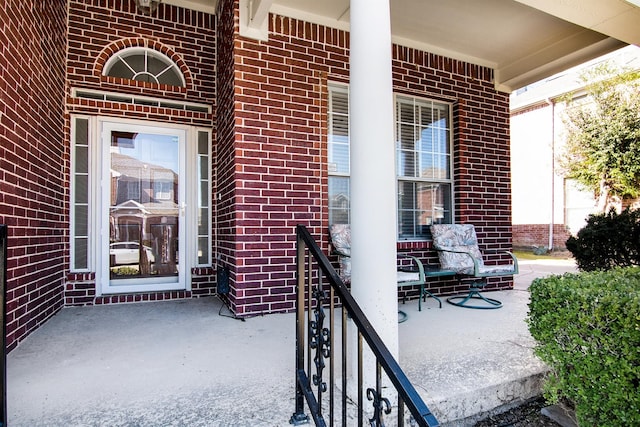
x: 552, y: 104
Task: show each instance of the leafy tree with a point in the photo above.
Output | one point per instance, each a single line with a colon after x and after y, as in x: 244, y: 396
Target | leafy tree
x: 602, y: 151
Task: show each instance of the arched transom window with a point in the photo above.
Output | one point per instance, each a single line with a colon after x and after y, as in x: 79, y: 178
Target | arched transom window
x: 144, y: 65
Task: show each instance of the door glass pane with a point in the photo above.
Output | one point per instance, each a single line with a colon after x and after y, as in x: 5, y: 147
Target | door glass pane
x: 144, y: 210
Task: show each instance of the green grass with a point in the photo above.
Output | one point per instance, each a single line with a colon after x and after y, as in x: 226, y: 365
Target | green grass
x: 520, y: 254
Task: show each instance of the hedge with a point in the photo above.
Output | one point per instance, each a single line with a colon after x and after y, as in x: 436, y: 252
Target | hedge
x: 608, y: 240
x: 587, y: 330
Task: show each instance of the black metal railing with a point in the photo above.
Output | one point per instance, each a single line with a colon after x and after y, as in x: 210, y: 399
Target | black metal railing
x: 320, y: 289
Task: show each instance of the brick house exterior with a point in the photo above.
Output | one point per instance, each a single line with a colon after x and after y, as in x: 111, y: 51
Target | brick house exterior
x: 280, y: 125
x: 268, y: 123
x: 33, y: 158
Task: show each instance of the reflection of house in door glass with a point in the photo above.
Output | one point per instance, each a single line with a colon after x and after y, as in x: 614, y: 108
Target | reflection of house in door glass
x: 165, y: 242
x: 144, y: 201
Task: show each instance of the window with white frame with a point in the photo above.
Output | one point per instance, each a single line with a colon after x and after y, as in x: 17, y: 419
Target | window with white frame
x: 423, y: 162
x: 80, y: 196
x: 338, y: 153
x: 204, y: 197
x: 144, y: 65
x: 423, y: 165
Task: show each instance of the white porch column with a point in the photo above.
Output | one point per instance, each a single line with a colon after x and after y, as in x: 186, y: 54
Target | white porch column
x: 373, y: 195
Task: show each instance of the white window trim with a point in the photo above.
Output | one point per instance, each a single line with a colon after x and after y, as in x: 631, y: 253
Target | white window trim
x: 193, y: 155
x: 451, y: 181
x: 139, y: 100
x: 344, y: 89
x: 90, y: 195
x: 341, y: 87
x: 120, y: 56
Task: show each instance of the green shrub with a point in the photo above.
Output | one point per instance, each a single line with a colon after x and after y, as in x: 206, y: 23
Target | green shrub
x: 607, y: 240
x: 587, y: 330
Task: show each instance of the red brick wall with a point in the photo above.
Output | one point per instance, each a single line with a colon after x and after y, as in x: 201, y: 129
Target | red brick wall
x: 280, y: 150
x: 97, y: 28
x: 227, y: 14
x: 531, y: 235
x: 482, y: 181
x: 280, y: 92
x: 33, y: 198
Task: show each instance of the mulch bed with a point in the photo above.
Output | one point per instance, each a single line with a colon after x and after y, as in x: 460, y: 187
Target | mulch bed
x: 525, y: 415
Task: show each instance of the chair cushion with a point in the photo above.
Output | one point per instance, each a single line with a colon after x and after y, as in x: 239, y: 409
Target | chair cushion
x: 408, y: 276
x: 341, y: 238
x: 459, y: 238
x: 341, y: 241
x: 497, y: 269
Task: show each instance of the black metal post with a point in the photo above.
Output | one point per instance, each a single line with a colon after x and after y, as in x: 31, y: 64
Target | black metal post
x: 299, y: 417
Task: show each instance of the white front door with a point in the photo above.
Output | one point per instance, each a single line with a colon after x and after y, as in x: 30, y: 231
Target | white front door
x: 142, y: 208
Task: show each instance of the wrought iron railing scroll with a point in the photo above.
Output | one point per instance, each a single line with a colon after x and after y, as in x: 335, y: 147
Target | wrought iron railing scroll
x: 320, y: 290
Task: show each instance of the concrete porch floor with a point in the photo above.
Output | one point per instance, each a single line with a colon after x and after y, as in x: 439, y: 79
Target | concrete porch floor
x: 180, y: 363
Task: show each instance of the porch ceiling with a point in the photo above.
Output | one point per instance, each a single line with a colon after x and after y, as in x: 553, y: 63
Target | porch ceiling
x: 523, y: 40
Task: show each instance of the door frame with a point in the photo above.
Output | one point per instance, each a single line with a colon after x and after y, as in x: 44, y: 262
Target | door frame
x: 104, y: 126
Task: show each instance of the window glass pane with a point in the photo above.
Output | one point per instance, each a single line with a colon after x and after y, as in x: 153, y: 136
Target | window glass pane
x: 135, y: 60
x: 434, y: 142
x: 406, y: 150
x: 338, y: 135
x: 155, y: 65
x: 147, y: 78
x: 339, y: 200
x: 82, y: 159
x: 203, y: 221
x: 339, y: 157
x: 339, y: 101
x: 420, y: 205
x: 120, y: 69
x: 340, y: 127
x: 203, y: 143
x: 204, y: 195
x: 422, y: 139
x: 405, y: 110
x: 170, y: 77
x: 81, y: 192
x: 81, y: 223
x: 204, y: 167
x: 81, y: 259
x: 203, y: 250
x: 82, y: 132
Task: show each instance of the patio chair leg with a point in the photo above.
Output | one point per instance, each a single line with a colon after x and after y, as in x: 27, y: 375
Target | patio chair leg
x: 474, y: 293
x: 424, y: 298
